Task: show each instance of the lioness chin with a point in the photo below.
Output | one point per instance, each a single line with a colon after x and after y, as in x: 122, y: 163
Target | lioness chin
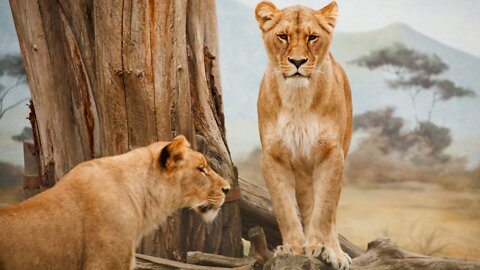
x: 96, y: 215
x: 305, y: 122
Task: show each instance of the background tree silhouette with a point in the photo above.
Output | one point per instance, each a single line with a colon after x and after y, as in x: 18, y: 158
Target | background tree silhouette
x: 423, y: 145
x: 11, y: 65
x: 414, y: 72
x: 25, y: 134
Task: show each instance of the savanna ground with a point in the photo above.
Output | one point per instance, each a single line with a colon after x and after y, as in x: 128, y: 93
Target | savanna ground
x: 419, y: 217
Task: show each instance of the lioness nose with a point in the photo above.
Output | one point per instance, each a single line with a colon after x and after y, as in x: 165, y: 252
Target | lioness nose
x: 225, y: 190
x: 297, y: 62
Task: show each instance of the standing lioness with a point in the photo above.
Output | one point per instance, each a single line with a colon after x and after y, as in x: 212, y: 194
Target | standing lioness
x: 305, y: 121
x: 95, y: 216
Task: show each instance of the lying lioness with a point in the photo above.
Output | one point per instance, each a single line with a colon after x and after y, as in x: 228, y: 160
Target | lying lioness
x: 305, y: 121
x: 96, y: 215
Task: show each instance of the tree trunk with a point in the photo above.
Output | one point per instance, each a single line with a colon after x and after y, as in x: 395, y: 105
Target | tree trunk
x: 109, y: 76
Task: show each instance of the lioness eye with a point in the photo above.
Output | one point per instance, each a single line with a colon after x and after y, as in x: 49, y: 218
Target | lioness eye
x: 202, y: 169
x: 283, y: 37
x: 312, y: 37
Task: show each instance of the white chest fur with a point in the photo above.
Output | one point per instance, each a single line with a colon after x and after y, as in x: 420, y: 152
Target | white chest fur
x: 299, y: 132
x: 297, y: 125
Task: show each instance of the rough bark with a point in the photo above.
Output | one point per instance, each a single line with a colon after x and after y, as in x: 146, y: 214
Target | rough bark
x: 109, y: 76
x: 257, y: 210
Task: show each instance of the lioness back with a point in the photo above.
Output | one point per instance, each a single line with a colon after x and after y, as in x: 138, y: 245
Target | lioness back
x: 45, y: 230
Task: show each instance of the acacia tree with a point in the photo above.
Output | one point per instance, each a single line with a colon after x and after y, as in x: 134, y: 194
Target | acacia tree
x: 414, y: 72
x: 12, y: 66
x: 109, y: 76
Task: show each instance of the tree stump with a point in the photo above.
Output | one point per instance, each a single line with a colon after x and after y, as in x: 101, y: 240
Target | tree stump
x: 109, y: 76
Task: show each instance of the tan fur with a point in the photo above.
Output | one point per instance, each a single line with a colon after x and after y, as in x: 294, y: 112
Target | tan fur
x: 305, y: 122
x: 96, y: 215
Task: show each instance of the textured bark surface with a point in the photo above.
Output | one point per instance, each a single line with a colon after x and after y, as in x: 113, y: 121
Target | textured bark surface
x: 109, y: 76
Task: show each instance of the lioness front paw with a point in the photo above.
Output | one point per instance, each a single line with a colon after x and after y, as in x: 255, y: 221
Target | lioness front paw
x: 288, y: 249
x: 337, y: 259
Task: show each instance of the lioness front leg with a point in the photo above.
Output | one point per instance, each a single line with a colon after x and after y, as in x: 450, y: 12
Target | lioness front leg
x: 281, y: 186
x: 322, y: 238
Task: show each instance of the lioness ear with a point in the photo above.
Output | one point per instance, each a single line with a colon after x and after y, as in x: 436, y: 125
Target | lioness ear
x: 174, y: 152
x: 267, y: 15
x: 327, y: 16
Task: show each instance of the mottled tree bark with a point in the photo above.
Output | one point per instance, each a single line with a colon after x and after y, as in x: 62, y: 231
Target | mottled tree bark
x: 109, y: 76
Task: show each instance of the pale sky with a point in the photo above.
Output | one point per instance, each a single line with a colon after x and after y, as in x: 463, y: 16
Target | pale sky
x: 453, y: 22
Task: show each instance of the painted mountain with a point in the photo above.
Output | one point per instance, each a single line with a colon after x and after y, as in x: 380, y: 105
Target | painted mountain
x: 243, y: 60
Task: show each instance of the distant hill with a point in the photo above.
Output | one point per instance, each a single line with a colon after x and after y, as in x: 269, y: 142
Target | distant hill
x: 243, y: 60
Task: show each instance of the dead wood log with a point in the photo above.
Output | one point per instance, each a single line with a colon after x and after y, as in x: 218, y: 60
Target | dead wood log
x: 383, y: 254
x: 259, y: 247
x: 206, y: 259
x: 256, y: 210
x: 259, y: 254
x: 149, y: 262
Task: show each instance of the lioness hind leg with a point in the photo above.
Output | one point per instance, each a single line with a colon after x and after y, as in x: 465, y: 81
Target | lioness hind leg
x: 281, y: 186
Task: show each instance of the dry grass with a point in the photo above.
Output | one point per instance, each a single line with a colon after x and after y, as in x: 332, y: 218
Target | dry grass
x: 426, y: 240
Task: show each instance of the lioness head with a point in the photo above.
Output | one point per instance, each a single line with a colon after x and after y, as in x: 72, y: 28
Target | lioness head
x: 202, y: 188
x: 296, y: 38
